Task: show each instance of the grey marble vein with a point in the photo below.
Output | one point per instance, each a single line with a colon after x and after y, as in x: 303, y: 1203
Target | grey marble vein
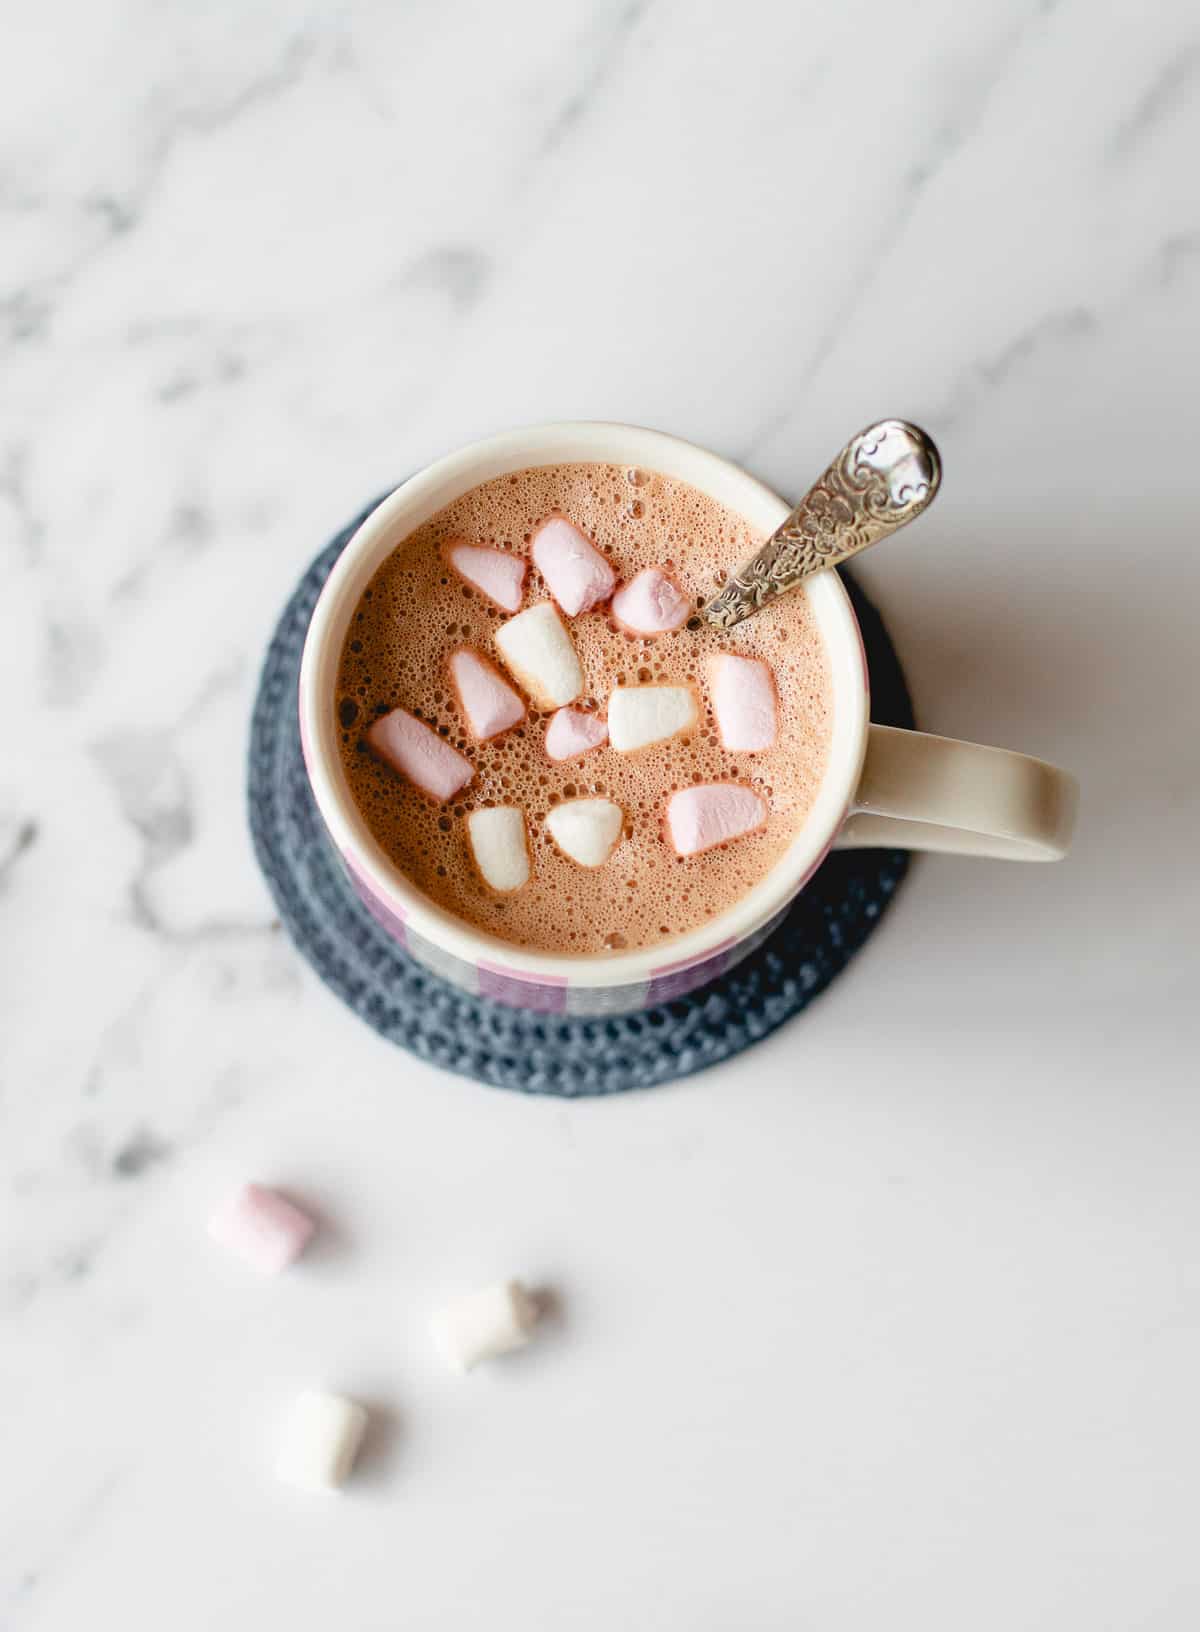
x: 976, y: 86
x: 18, y: 835
x: 154, y: 795
x: 1170, y: 89
x: 15, y: 466
x: 1067, y: 328
x: 1177, y: 258
x: 64, y: 1267
x: 25, y: 315
x: 226, y: 368
x: 120, y: 1043
x: 189, y: 531
x: 26, y: 1580
x: 28, y: 310
x: 458, y: 271
x: 610, y: 35
x: 73, y: 654
x: 142, y: 1151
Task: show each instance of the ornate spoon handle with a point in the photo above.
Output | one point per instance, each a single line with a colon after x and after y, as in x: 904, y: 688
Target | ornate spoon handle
x: 880, y: 481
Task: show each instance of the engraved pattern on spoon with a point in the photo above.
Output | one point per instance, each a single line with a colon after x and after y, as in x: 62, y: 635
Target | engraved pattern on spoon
x: 882, y: 479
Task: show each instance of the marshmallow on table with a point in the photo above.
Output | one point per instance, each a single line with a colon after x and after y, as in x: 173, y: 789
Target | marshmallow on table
x: 499, y: 575
x: 743, y: 694
x: 539, y: 652
x: 651, y: 604
x: 641, y: 715
x: 497, y: 836
x: 486, y: 698
x: 262, y: 1227
x: 324, y: 1432
x: 576, y: 574
x: 586, y: 830
x: 484, y: 1324
x: 410, y: 747
x: 713, y: 813
x: 572, y: 732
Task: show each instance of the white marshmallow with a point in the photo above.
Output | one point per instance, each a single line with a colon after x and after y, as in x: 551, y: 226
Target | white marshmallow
x: 538, y: 650
x: 498, y: 845
x: 324, y: 1432
x: 641, y: 715
x: 586, y: 830
x: 484, y: 1324
x: 743, y: 694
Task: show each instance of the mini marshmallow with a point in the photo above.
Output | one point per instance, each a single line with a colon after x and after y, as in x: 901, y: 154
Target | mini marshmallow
x: 651, y: 604
x: 572, y: 732
x: 499, y: 575
x: 586, y: 830
x: 487, y: 700
x: 538, y: 650
x: 263, y: 1228
x: 576, y: 574
x: 701, y: 817
x: 324, y: 1432
x: 641, y: 715
x: 743, y: 694
x: 410, y: 747
x: 485, y: 1324
x: 498, y: 845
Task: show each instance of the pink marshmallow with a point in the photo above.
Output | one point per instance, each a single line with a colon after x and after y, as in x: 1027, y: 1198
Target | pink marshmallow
x: 572, y: 732
x: 499, y: 575
x: 262, y: 1228
x: 576, y: 574
x: 743, y: 694
x: 410, y: 747
x: 699, y: 818
x: 651, y: 604
x: 488, y: 701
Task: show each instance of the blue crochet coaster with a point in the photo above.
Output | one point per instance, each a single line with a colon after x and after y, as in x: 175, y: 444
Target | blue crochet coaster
x: 512, y: 1048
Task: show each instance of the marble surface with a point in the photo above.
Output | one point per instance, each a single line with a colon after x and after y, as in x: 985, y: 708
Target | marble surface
x: 895, y: 1321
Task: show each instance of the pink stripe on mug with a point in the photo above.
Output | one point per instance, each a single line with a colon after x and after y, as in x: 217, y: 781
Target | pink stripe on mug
x: 385, y: 915
x: 544, y: 994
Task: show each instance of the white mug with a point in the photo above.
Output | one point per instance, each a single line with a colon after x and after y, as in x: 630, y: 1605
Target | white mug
x: 882, y: 786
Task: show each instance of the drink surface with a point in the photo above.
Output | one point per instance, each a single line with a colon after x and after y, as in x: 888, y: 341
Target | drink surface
x: 416, y: 612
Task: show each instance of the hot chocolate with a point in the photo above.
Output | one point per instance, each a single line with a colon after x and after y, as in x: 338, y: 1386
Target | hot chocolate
x: 677, y: 777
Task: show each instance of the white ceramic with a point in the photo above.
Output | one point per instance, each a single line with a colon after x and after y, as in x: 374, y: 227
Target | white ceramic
x: 881, y: 786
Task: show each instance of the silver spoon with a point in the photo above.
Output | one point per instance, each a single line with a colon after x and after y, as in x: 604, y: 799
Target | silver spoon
x: 879, y: 482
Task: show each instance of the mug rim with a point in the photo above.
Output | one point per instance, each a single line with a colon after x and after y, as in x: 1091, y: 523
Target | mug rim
x: 431, y: 490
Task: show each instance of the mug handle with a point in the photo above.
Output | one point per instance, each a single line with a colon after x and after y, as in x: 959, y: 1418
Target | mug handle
x: 919, y: 792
